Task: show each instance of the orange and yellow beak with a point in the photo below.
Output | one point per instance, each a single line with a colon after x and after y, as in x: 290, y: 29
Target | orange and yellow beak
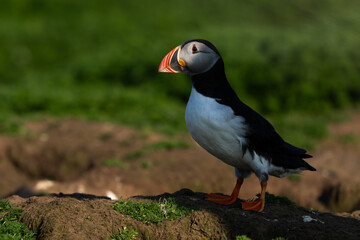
x: 172, y: 62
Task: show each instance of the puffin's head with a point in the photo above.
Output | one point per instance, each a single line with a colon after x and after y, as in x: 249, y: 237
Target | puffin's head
x: 192, y: 57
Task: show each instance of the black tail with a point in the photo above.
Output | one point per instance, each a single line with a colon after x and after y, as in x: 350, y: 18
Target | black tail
x: 291, y: 157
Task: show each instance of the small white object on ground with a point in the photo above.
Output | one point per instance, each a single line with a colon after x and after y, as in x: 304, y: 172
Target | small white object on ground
x: 111, y: 195
x: 307, y: 218
x: 43, y: 185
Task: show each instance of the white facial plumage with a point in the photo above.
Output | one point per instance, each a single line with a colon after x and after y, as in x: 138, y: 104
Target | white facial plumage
x: 198, y: 57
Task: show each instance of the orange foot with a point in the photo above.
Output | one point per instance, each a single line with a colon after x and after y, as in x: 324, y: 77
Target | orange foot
x: 257, y: 205
x: 226, y: 200
x: 219, y: 199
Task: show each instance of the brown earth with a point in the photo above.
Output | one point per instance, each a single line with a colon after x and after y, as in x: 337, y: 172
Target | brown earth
x: 81, y: 216
x: 69, y: 156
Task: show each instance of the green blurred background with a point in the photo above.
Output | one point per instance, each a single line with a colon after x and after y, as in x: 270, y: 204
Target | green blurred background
x: 294, y: 61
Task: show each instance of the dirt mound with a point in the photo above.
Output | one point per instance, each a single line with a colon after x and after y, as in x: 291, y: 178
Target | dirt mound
x: 107, y: 160
x: 81, y: 216
x: 103, y: 159
x: 65, y: 150
x: 65, y: 156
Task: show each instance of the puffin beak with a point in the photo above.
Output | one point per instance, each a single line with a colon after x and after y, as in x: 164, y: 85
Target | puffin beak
x: 171, y: 62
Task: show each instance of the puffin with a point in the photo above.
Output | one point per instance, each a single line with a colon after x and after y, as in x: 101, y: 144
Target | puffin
x: 226, y: 127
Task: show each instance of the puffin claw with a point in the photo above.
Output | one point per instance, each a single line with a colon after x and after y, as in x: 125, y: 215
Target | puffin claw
x: 220, y: 199
x: 218, y: 196
x: 257, y: 206
x: 226, y: 200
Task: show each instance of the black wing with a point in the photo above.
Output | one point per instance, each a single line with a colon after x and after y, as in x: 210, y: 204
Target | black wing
x: 262, y: 137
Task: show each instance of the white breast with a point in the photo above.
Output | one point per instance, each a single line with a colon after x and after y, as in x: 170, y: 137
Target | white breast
x: 215, y: 128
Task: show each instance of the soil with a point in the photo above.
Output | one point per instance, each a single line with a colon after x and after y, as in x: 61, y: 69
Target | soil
x: 82, y: 216
x: 67, y: 156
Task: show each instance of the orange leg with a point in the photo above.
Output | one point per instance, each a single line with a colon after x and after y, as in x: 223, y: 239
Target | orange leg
x: 257, y: 205
x: 226, y: 200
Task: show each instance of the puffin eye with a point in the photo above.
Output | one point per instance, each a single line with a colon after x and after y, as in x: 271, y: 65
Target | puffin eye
x: 194, y: 49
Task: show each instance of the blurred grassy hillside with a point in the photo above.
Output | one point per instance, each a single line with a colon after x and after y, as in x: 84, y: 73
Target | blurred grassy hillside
x: 98, y: 59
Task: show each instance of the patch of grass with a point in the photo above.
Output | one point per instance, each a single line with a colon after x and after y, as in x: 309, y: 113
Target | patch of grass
x: 157, y: 146
x: 169, y: 145
x: 125, y: 234
x: 10, y: 227
x: 349, y: 139
x: 105, y: 136
x: 115, y: 162
x: 304, y: 130
x: 145, y: 164
x: 271, y: 198
x: 136, y: 154
x: 295, y: 177
x: 9, y: 126
x: 63, y: 58
x: 12, y: 125
x: 152, y: 211
x: 284, y: 65
x: 242, y: 237
x: 124, y: 143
